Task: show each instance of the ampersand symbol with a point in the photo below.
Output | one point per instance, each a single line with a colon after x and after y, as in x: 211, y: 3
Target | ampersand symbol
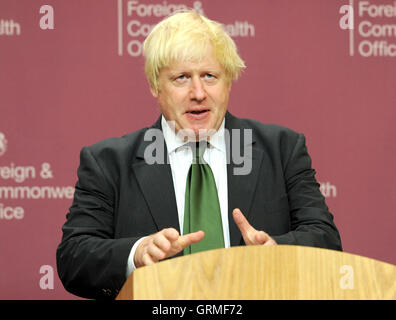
x: 198, y: 7
x: 46, y: 172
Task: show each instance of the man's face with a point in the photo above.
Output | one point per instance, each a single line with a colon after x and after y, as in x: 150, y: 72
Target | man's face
x: 194, y: 94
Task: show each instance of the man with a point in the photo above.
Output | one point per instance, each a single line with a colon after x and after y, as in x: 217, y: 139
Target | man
x: 129, y: 212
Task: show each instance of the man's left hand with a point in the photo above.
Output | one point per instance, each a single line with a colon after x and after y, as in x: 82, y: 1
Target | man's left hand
x: 250, y: 235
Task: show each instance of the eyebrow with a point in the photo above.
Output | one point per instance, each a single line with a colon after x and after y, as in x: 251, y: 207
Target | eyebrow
x: 175, y: 72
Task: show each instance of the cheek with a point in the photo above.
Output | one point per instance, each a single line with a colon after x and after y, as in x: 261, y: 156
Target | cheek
x: 164, y: 99
x: 171, y: 102
x: 221, y: 98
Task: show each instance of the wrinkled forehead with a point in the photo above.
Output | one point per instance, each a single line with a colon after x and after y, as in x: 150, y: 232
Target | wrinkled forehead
x: 198, y: 53
x: 207, y: 63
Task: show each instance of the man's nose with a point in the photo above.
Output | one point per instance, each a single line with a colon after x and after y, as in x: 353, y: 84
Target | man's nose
x: 197, y: 91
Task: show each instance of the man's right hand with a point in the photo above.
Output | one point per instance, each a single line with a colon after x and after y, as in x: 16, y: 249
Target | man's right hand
x: 163, y: 244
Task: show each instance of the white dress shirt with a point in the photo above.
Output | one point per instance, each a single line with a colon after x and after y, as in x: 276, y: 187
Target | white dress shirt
x: 180, y: 159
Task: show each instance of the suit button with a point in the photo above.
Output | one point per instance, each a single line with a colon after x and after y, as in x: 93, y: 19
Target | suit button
x: 106, y: 292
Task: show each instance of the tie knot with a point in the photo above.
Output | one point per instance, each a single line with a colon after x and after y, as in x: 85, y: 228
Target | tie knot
x: 198, y: 149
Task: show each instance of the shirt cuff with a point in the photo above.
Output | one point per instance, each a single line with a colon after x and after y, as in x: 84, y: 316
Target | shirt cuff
x: 131, y: 265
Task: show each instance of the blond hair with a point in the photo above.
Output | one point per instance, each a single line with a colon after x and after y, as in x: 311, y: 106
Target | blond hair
x: 186, y: 36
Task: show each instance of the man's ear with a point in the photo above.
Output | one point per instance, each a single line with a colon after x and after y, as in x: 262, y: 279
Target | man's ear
x: 154, y: 92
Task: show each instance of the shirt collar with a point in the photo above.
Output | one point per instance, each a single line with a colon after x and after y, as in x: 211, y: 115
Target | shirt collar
x: 173, y: 142
x: 171, y: 139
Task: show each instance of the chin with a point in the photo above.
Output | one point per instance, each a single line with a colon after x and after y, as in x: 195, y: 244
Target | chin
x: 195, y: 133
x: 203, y: 133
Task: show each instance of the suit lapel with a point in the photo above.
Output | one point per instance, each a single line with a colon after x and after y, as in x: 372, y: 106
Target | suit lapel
x: 156, y: 183
x: 241, y: 188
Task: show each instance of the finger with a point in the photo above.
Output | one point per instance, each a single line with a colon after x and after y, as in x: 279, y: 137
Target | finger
x: 189, y: 239
x: 262, y: 237
x: 171, y: 234
x: 194, y: 237
x: 247, y: 231
x: 270, y: 242
x: 161, y: 241
x: 141, y: 251
x: 155, y: 253
x: 165, y: 237
x: 147, y: 261
x: 241, y: 221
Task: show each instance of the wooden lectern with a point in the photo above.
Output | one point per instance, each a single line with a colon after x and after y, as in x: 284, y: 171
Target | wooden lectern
x: 263, y: 272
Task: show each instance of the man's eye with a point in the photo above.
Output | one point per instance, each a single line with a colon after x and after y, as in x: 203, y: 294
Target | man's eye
x: 182, y: 77
x: 210, y: 78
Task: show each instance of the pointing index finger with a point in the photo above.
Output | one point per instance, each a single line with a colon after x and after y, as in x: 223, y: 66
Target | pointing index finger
x: 241, y: 221
x: 190, y: 238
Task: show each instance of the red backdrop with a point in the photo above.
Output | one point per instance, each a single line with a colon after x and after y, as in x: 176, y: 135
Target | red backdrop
x: 83, y: 81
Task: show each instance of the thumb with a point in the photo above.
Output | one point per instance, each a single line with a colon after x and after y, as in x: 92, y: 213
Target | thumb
x: 262, y: 237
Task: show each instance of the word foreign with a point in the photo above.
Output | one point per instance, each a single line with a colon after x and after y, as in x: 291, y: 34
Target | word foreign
x: 159, y: 9
x: 375, y: 11
x: 21, y: 173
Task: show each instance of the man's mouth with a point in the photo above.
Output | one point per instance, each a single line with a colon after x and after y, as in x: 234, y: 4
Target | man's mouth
x: 197, y: 114
x: 198, y: 111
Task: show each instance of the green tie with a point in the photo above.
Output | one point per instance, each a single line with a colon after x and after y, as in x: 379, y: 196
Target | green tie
x: 202, y: 208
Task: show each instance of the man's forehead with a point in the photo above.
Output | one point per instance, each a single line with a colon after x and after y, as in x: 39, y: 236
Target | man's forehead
x: 206, y: 63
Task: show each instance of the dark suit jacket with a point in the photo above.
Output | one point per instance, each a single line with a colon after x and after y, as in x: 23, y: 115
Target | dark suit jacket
x: 119, y: 198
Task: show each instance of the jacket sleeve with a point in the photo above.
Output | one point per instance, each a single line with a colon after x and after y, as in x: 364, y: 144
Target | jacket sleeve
x: 91, y: 263
x: 310, y: 220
